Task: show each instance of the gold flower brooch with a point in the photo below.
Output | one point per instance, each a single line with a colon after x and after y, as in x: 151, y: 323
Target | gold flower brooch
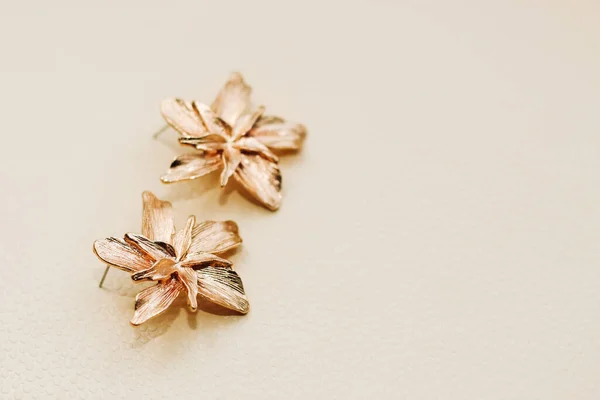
x: 231, y: 137
x: 179, y: 261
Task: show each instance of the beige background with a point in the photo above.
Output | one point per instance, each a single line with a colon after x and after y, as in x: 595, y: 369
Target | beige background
x: 439, y: 236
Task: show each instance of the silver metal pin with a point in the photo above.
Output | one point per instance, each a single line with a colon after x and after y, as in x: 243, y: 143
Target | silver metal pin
x: 160, y: 131
x: 104, y: 276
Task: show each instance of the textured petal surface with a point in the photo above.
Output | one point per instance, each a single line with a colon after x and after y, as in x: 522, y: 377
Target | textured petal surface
x: 278, y: 134
x: 212, y: 122
x: 183, y: 117
x: 161, y: 269
x: 233, y: 99
x: 192, y: 166
x: 202, y: 259
x: 215, y: 237
x: 208, y: 143
x: 254, y: 145
x: 157, y: 219
x: 246, y: 122
x: 189, y: 279
x: 152, y: 249
x: 122, y: 255
x: 223, y: 286
x: 154, y: 300
x: 261, y: 178
x: 231, y: 159
x: 183, y: 238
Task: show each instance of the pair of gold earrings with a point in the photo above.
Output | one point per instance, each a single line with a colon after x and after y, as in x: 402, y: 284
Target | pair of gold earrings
x: 241, y: 142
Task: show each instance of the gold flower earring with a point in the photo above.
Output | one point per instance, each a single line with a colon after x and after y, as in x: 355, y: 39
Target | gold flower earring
x: 178, y: 260
x: 231, y: 138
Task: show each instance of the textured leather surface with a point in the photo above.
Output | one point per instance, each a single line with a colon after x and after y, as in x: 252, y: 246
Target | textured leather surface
x: 438, y: 237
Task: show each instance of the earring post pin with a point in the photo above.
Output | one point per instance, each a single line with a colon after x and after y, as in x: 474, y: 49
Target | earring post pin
x: 104, y: 276
x: 160, y: 131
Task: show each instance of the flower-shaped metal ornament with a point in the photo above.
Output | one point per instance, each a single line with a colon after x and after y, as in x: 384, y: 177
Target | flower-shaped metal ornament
x: 231, y: 137
x: 178, y: 260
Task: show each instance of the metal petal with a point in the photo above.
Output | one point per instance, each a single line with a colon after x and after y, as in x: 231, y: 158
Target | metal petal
x: 192, y: 166
x: 122, y: 255
x: 146, y: 246
x: 231, y: 159
x: 215, y: 237
x: 183, y: 238
x: 167, y: 247
x: 261, y: 178
x: 212, y: 122
x: 182, y: 117
x: 223, y: 286
x: 208, y: 143
x: 254, y: 145
x: 161, y: 269
x: 246, y: 122
x: 157, y: 219
x: 202, y: 259
x: 154, y: 300
x: 233, y: 99
x: 268, y: 119
x: 277, y: 134
x: 189, y: 279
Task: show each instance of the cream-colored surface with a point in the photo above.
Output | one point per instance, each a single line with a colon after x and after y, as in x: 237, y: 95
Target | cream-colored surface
x: 439, y: 236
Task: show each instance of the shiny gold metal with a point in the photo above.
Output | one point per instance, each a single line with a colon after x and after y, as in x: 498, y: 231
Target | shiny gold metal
x: 179, y: 261
x: 234, y: 139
